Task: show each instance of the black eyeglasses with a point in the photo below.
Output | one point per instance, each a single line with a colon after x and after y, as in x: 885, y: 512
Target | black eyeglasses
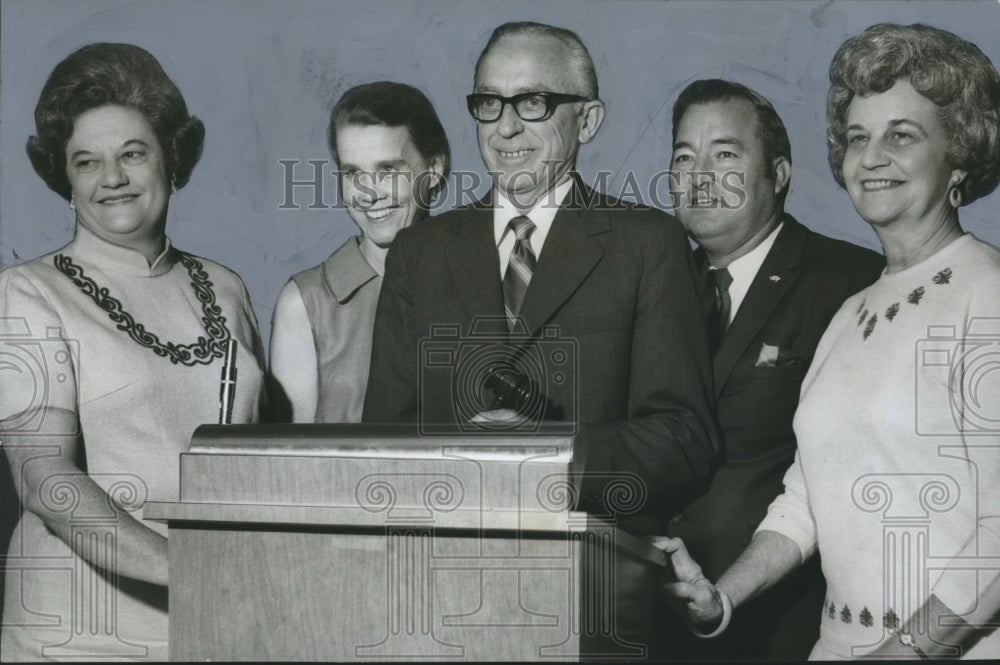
x: 529, y: 106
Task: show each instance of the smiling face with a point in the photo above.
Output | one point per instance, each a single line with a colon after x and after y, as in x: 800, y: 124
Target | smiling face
x: 896, y: 167
x: 117, y: 172
x: 527, y: 159
x: 730, y: 192
x: 386, y: 182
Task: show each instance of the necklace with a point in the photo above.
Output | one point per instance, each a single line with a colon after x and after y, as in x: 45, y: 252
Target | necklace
x: 201, y: 352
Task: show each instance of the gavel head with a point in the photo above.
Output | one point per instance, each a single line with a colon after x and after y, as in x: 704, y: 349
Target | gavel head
x: 511, y: 389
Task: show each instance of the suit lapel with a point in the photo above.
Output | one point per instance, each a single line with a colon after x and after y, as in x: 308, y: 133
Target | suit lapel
x: 568, y: 256
x: 474, y: 264
x: 775, y: 278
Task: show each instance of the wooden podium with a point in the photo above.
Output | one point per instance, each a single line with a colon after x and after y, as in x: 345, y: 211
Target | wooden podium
x: 347, y: 542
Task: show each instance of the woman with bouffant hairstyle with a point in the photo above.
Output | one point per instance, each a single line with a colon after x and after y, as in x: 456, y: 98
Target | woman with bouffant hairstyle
x: 119, y: 75
x: 125, y: 338
x: 896, y: 477
x: 949, y: 71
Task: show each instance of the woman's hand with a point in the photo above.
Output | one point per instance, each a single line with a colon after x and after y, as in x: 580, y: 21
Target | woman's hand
x: 692, y: 595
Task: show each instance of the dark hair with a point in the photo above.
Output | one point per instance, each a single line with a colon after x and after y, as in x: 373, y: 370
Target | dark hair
x: 112, y: 75
x: 393, y: 105
x: 949, y: 71
x: 770, y: 130
x: 579, y: 60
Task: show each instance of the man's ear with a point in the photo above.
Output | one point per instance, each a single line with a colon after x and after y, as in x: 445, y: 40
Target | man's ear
x: 782, y: 174
x: 436, y: 169
x: 591, y: 117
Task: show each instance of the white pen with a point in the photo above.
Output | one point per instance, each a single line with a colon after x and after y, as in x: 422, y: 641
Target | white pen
x: 227, y: 390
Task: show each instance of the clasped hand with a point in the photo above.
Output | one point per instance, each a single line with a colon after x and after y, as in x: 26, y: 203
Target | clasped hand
x: 499, y: 418
x: 691, y: 596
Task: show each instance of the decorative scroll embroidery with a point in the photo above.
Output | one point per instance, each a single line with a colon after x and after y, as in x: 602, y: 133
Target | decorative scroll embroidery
x: 891, y: 312
x: 915, y: 296
x: 201, y: 352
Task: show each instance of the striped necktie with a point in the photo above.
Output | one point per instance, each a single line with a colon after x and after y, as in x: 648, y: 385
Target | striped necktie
x: 519, y: 269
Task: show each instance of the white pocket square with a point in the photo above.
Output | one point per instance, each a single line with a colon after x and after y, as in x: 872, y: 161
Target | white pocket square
x: 768, y: 356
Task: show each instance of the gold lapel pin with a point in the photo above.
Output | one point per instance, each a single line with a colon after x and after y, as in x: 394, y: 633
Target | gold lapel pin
x: 775, y: 278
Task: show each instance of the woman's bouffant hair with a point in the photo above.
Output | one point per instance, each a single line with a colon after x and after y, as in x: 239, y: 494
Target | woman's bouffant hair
x: 112, y: 75
x: 946, y: 69
x: 393, y: 105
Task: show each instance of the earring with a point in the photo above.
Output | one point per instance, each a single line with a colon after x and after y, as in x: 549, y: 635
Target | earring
x: 72, y: 201
x: 955, y: 197
x: 173, y: 184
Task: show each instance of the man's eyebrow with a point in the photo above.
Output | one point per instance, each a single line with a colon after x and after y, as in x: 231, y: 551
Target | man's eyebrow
x: 725, y: 140
x: 728, y: 140
x: 485, y: 90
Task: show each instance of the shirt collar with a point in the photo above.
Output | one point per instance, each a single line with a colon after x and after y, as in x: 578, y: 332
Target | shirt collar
x: 541, y: 215
x: 347, y: 270
x: 108, y: 256
x: 744, y: 269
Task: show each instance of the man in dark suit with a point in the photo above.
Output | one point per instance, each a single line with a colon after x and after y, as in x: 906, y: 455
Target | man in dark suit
x: 785, y: 283
x: 553, y: 263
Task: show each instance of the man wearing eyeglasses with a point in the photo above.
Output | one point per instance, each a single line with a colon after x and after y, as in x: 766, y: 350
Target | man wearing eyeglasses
x: 553, y: 262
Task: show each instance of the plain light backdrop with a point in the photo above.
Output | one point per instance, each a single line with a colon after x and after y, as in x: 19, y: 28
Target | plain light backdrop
x: 262, y: 75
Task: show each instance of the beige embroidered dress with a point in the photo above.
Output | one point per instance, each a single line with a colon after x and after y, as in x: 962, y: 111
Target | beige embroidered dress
x: 136, y: 351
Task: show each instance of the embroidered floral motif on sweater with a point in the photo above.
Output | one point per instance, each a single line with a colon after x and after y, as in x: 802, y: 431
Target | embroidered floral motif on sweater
x: 890, y: 620
x: 941, y: 278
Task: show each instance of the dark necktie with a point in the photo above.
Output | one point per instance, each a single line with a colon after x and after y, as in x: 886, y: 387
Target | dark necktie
x: 519, y: 269
x: 723, y: 304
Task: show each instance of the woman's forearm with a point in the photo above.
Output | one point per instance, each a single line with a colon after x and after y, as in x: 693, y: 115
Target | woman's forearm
x: 141, y: 553
x: 769, y: 557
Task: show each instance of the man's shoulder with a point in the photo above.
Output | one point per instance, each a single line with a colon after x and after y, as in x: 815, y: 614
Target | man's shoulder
x: 431, y: 229
x: 823, y: 252
x: 585, y: 198
x: 626, y: 219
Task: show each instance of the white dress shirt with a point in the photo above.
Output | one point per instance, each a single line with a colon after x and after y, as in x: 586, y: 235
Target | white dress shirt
x: 744, y: 269
x: 541, y: 216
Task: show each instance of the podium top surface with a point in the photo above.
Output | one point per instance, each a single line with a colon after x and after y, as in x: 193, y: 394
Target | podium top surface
x: 365, y: 440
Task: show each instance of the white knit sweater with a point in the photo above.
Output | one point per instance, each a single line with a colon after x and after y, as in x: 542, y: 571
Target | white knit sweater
x: 897, y: 476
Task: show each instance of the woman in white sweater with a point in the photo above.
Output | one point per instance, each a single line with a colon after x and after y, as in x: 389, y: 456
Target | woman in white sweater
x: 897, y: 477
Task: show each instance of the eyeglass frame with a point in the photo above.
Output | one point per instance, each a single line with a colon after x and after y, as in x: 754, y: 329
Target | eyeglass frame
x: 552, y: 101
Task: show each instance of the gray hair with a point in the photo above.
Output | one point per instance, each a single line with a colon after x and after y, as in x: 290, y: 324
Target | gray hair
x: 579, y: 60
